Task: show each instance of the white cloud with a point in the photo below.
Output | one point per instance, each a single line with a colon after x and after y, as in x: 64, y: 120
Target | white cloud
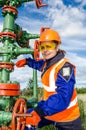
x: 69, y: 21
x: 77, y: 60
x: 80, y: 64
x: 73, y: 44
x: 31, y: 25
x: 22, y: 75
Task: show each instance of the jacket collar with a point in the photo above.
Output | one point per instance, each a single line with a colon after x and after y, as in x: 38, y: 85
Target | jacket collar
x: 55, y: 59
x: 52, y: 61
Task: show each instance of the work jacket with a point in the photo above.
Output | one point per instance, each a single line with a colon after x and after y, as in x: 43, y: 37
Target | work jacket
x: 59, y: 103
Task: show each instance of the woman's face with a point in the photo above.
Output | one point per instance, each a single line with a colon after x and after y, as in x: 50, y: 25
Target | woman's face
x: 48, y: 49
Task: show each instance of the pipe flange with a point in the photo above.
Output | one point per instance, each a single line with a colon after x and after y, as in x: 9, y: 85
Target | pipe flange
x: 7, y: 65
x: 9, y: 9
x: 7, y: 35
x: 9, y: 89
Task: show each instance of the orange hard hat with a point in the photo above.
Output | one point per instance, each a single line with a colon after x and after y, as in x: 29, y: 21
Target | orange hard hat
x: 49, y: 35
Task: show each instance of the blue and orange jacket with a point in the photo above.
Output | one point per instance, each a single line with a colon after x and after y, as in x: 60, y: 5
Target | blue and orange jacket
x: 60, y: 98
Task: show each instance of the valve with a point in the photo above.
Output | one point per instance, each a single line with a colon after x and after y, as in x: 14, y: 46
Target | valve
x: 36, y: 45
x: 19, y: 115
x: 18, y: 119
x: 43, y: 29
x: 36, y: 50
x: 39, y: 4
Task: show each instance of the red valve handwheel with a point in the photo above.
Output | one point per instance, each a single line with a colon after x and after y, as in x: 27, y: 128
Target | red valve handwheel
x: 36, y: 50
x: 39, y: 3
x: 18, y: 119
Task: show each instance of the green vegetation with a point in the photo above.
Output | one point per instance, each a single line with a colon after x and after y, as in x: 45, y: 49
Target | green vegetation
x: 81, y: 90
x: 50, y: 127
x: 82, y: 114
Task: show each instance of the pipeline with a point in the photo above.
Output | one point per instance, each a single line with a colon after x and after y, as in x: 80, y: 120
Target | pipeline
x: 12, y: 108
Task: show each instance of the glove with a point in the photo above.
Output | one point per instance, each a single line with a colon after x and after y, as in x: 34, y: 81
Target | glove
x: 34, y: 119
x: 21, y: 63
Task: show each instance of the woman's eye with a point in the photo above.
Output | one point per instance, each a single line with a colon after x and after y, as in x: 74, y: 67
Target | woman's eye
x: 42, y: 47
x: 48, y: 46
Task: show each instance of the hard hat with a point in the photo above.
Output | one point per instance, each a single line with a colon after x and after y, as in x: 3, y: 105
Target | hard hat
x: 49, y: 35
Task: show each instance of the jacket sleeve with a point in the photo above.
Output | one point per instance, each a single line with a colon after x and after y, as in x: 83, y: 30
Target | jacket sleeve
x: 59, y: 101
x: 38, y: 65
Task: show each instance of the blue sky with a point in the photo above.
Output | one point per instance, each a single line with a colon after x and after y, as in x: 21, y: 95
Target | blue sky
x: 68, y: 17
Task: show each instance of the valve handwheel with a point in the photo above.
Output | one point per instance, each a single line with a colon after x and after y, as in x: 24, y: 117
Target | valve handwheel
x: 39, y: 3
x: 36, y: 50
x: 18, y: 119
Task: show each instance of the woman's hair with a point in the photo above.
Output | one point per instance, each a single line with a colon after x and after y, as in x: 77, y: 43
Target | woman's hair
x: 60, y: 50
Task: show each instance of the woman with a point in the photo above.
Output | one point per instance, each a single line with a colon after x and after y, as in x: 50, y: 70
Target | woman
x: 59, y: 105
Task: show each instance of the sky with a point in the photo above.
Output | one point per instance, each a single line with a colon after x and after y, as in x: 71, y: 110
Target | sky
x: 68, y: 18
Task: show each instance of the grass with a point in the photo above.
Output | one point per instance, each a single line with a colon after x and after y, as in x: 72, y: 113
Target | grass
x: 82, y: 105
x: 50, y: 127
